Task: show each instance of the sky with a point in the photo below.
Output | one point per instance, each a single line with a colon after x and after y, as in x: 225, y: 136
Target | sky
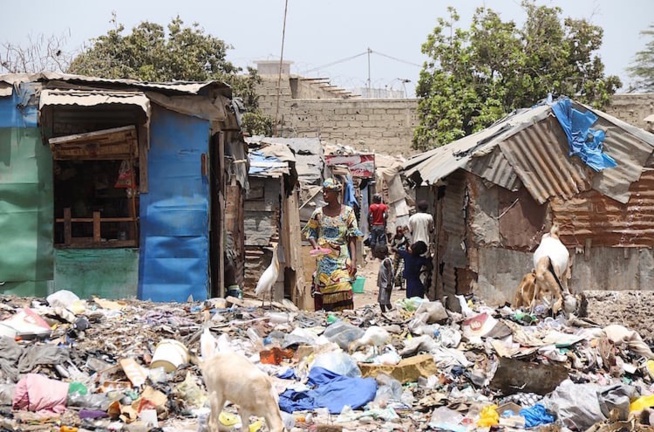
x: 328, y: 38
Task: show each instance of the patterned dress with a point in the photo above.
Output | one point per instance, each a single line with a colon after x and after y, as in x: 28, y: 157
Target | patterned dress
x: 332, y: 282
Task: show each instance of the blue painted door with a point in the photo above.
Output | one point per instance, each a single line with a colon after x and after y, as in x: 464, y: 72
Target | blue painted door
x: 174, y: 224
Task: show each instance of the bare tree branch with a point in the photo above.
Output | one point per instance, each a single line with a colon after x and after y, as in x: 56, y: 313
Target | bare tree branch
x: 39, y: 53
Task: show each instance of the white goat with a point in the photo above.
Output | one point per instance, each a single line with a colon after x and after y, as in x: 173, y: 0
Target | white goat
x: 231, y: 376
x: 551, y: 260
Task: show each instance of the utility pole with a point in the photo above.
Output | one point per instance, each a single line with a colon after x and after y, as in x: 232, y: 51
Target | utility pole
x: 279, y: 78
x: 369, y: 80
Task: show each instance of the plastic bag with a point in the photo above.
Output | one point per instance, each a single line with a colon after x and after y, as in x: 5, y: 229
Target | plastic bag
x: 536, y: 416
x: 488, y: 416
x: 337, y: 362
x: 576, y: 405
x: 389, y: 389
x: 125, y: 176
x: 62, y: 298
x: 444, y: 418
x: 342, y: 334
x: 616, y: 399
x: 642, y: 402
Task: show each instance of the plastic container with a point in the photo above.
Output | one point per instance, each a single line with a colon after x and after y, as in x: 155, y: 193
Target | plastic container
x: 357, y: 285
x: 169, y: 354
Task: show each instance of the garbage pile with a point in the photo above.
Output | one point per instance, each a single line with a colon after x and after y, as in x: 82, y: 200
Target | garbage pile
x: 71, y: 364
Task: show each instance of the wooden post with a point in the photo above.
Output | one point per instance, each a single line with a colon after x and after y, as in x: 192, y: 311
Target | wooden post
x: 68, y: 232
x: 97, y: 235
x: 133, y: 227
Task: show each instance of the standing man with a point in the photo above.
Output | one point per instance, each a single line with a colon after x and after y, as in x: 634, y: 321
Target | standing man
x: 421, y: 225
x: 377, y: 216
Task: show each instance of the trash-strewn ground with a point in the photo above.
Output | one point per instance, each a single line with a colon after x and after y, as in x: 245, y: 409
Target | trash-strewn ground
x: 634, y: 309
x: 88, y: 364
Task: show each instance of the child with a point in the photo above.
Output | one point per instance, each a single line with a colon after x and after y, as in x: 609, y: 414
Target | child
x: 384, y: 277
x: 399, y: 241
x: 413, y: 262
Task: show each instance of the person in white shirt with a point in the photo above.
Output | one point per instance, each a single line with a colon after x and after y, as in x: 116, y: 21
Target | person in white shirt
x: 421, y: 224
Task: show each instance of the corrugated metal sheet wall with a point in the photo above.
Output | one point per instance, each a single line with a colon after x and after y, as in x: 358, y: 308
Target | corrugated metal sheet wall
x: 26, y: 200
x: 175, y: 214
x: 595, y: 218
x: 453, y: 230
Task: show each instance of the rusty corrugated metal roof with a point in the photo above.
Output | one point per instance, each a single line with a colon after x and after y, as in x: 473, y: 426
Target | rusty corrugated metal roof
x: 436, y: 164
x: 535, y: 151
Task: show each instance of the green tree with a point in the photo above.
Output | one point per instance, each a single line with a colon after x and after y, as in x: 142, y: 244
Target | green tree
x: 475, y: 76
x: 643, y: 67
x: 175, y: 53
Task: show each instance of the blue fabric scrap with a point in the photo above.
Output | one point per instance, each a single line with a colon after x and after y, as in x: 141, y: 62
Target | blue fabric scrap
x: 288, y: 374
x: 583, y: 141
x: 536, y: 415
x: 331, y: 391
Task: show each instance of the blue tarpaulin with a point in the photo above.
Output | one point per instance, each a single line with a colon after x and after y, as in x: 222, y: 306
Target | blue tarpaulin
x: 584, y: 141
x: 331, y: 391
x: 349, y: 196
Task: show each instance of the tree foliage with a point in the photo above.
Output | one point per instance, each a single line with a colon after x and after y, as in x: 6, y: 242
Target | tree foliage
x: 178, y: 52
x: 643, y: 67
x: 475, y: 76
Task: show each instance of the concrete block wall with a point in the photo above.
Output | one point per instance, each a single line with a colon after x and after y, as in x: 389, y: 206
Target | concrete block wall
x: 372, y: 125
x: 379, y: 125
x: 632, y: 108
x: 308, y: 110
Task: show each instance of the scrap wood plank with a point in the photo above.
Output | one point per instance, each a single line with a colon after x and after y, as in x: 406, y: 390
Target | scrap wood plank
x: 119, y: 143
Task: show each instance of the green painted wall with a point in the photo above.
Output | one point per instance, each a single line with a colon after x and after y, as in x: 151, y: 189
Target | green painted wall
x: 106, y: 273
x: 26, y: 212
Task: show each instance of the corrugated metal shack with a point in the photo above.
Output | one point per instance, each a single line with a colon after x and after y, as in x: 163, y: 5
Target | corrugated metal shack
x: 494, y: 193
x: 115, y: 187
x: 271, y: 215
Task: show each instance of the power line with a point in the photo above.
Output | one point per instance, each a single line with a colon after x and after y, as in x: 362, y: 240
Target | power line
x: 337, y: 62
x: 366, y: 52
x: 396, y: 59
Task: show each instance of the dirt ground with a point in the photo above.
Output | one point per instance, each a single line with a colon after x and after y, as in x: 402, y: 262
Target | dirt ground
x: 369, y: 295
x: 632, y: 309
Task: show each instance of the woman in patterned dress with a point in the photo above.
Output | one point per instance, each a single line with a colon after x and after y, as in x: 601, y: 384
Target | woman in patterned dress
x: 333, y: 231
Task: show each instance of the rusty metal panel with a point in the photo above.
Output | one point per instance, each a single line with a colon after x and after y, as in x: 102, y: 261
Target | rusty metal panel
x: 453, y: 204
x: 500, y: 272
x: 484, y: 221
x: 454, y: 219
x: 496, y: 169
x: 449, y: 281
x: 539, y: 155
x: 613, y: 269
x: 521, y: 220
x: 630, y: 151
x: 592, y: 219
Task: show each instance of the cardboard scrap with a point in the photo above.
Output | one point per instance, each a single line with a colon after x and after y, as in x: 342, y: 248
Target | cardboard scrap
x: 136, y: 373
x: 108, y: 304
x: 407, y: 370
